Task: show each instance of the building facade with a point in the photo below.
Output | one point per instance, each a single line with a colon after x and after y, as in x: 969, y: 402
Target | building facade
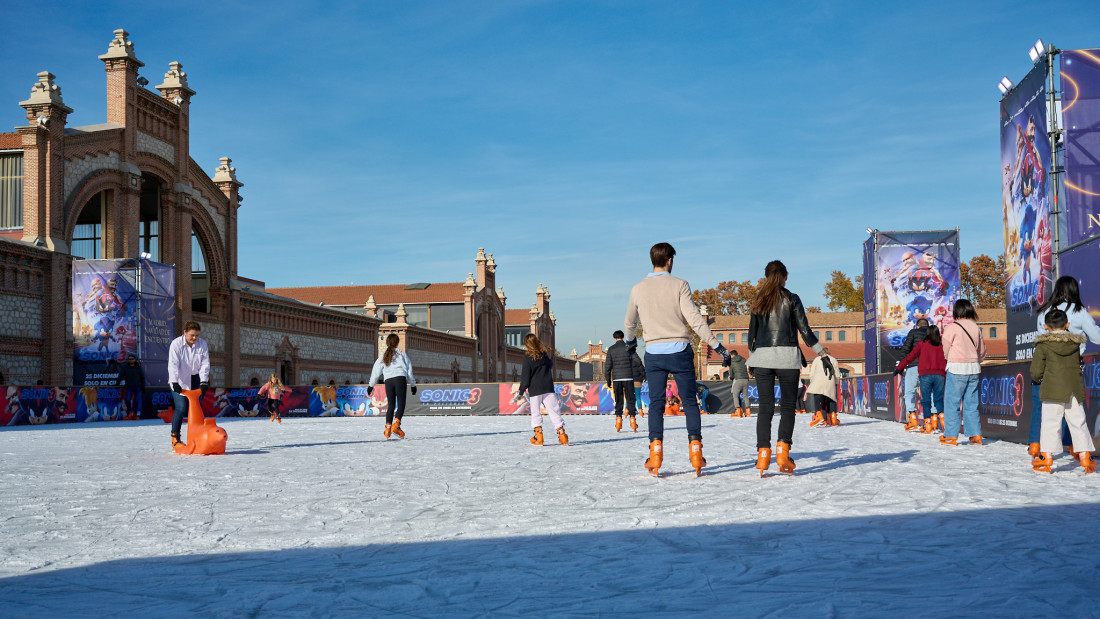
x: 842, y: 333
x: 129, y: 186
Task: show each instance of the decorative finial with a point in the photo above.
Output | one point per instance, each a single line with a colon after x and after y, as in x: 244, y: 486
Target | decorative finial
x: 120, y: 48
x: 491, y: 262
x: 45, y: 92
x: 175, y: 79
x: 480, y: 254
x: 401, y: 313
x: 470, y: 283
x: 225, y: 173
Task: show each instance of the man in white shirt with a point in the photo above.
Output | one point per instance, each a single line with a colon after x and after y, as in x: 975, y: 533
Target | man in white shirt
x: 188, y: 368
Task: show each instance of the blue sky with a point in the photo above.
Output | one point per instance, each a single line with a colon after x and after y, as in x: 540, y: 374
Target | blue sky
x: 384, y: 142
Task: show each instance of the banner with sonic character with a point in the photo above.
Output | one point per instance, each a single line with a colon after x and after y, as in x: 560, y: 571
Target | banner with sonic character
x: 917, y: 277
x: 1025, y: 207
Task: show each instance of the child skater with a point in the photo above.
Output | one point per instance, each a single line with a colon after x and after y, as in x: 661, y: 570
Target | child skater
x: 932, y: 376
x: 537, y: 379
x: 1057, y: 366
x: 395, y: 369
x: 274, y: 391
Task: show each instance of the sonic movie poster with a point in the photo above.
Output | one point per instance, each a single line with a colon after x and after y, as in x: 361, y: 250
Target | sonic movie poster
x: 1025, y: 207
x: 917, y: 277
x: 105, y: 316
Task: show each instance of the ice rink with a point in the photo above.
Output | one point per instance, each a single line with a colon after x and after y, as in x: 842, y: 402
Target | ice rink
x: 324, y: 517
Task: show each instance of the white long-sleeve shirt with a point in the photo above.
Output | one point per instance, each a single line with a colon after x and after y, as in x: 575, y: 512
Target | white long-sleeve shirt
x: 185, y: 361
x: 1081, y: 322
x: 399, y: 366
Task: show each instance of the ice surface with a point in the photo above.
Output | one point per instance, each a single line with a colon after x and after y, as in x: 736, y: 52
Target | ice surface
x: 324, y: 517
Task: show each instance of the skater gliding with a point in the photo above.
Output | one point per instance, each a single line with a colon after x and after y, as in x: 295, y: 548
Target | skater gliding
x: 663, y: 305
x: 537, y: 379
x: 395, y: 369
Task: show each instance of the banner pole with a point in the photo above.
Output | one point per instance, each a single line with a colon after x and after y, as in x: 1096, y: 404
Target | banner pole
x: 1053, y: 133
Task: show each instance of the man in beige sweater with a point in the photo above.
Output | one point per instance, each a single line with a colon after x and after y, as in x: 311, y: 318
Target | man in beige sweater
x: 663, y: 305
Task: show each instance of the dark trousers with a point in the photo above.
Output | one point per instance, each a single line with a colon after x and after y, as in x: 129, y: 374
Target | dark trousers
x: 824, y: 404
x: 682, y: 368
x: 272, y: 405
x: 788, y: 393
x: 180, y: 403
x: 396, y: 389
x: 133, y: 400
x: 624, y: 391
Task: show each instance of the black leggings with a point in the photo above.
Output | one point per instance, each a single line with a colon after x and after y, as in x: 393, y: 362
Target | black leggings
x: 396, y: 388
x: 788, y: 393
x: 273, y: 406
x: 825, y: 405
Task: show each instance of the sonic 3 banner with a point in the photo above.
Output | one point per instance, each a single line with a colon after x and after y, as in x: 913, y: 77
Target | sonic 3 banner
x: 917, y: 277
x: 1025, y: 207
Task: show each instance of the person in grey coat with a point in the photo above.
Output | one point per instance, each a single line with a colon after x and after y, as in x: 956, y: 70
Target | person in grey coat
x: 739, y: 373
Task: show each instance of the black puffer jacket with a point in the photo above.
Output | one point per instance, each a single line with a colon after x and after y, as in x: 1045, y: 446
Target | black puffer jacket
x: 618, y: 363
x: 781, y: 326
x: 914, y: 337
x: 638, y: 368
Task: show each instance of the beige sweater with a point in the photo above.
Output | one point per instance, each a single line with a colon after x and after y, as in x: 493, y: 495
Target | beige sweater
x: 663, y: 305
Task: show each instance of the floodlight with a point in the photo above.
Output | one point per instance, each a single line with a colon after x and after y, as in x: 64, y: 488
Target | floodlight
x: 1005, y: 85
x: 145, y: 255
x: 1036, y: 50
x: 870, y: 231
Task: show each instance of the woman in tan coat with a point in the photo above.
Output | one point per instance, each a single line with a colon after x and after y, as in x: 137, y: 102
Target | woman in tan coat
x: 824, y: 381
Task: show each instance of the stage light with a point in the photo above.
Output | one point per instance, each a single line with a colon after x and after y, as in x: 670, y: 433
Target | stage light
x: 145, y: 255
x: 1005, y: 85
x: 1036, y: 51
x: 870, y: 231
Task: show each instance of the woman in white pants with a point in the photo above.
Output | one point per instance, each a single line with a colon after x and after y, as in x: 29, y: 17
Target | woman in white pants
x: 537, y: 379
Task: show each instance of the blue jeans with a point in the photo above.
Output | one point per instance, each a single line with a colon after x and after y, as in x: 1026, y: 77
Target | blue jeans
x: 181, y: 405
x: 962, y: 390
x: 682, y: 368
x: 912, y: 378
x: 931, y: 390
x: 1037, y: 420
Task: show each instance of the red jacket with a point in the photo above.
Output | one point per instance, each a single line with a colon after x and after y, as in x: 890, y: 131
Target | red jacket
x: 932, y: 360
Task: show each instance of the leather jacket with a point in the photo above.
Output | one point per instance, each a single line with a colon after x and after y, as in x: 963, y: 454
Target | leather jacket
x: 781, y: 326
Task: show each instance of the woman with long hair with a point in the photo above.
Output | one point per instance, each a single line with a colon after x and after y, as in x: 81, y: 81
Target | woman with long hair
x: 1066, y: 296
x: 537, y: 379
x: 274, y: 391
x: 932, y: 373
x: 964, y: 350
x: 777, y: 319
x: 395, y: 369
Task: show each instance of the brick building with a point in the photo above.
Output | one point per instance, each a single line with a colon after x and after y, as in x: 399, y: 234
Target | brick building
x: 129, y: 185
x: 842, y: 333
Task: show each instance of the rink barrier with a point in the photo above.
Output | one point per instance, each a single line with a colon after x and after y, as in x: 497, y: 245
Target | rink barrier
x: 1004, y: 392
x: 1004, y: 398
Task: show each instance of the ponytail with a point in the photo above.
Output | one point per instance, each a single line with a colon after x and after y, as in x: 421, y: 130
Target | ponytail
x: 392, y: 340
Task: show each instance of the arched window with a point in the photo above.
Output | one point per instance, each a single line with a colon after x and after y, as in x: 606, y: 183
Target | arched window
x: 149, y: 217
x: 255, y: 382
x: 314, y: 382
x: 88, y: 232
x: 200, y: 279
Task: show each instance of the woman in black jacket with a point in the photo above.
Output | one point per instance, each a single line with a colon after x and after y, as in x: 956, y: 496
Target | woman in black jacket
x: 777, y: 319
x: 537, y: 379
